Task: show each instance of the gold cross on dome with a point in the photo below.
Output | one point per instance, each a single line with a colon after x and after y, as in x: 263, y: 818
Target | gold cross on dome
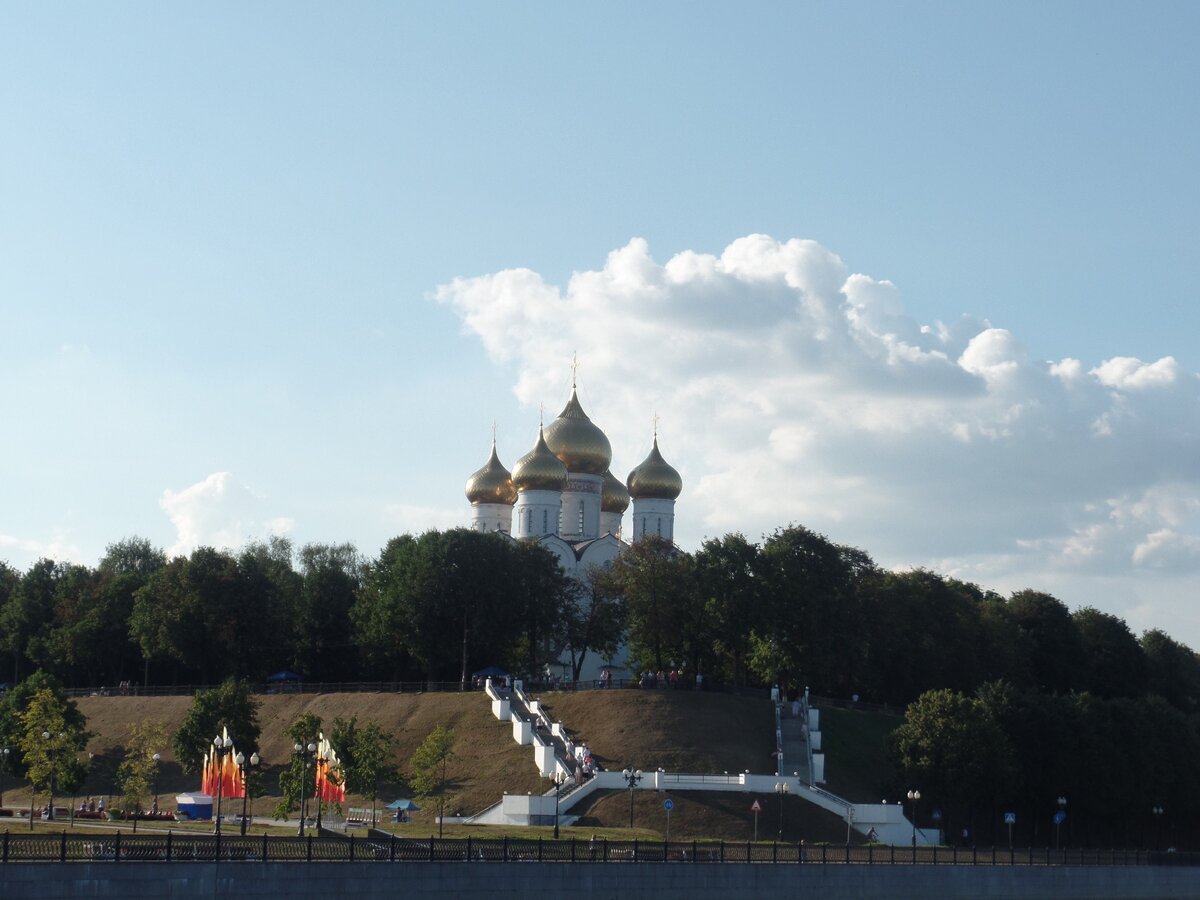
x: 574, y: 368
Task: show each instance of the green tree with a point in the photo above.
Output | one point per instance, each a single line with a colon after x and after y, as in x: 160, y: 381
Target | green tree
x: 654, y: 578
x: 329, y: 583
x: 364, y: 753
x: 138, y: 771
x: 592, y: 619
x: 15, y: 701
x: 814, y: 622
x: 230, y: 706
x: 1114, y: 664
x: 49, y: 743
x: 953, y: 750
x: 428, y: 769
x: 1172, y: 670
x: 727, y: 578
x: 1051, y: 640
x: 298, y: 780
x: 27, y: 616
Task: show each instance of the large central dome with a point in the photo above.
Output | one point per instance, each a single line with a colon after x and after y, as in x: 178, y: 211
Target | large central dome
x: 576, y: 440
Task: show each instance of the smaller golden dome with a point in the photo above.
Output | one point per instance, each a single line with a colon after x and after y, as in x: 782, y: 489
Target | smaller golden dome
x: 492, y: 484
x: 655, y: 478
x: 577, y: 441
x: 539, y: 469
x: 615, y: 498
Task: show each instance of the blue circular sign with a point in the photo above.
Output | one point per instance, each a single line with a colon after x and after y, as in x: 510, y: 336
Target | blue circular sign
x: 668, y: 804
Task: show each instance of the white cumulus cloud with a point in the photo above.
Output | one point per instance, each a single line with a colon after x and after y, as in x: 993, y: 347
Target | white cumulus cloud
x: 791, y: 388
x: 221, y: 512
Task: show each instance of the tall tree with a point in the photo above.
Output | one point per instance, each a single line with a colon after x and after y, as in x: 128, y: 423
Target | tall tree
x: 592, y: 620
x: 654, y: 578
x: 1051, y: 640
x: 138, y: 772
x: 429, y: 769
x: 727, y: 578
x: 231, y: 706
x: 330, y: 579
x: 365, y: 754
x: 49, y: 742
x: 298, y: 780
x: 1113, y: 662
x: 813, y: 616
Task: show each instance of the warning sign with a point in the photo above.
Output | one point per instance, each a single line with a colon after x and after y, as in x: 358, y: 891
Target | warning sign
x: 756, y: 807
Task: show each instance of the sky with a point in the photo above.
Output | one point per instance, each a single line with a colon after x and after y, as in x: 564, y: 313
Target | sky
x: 918, y: 276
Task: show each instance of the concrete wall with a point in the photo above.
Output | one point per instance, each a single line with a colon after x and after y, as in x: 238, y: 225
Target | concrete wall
x: 652, y: 881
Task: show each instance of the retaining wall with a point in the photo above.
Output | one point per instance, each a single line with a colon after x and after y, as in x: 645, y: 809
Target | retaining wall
x: 642, y: 881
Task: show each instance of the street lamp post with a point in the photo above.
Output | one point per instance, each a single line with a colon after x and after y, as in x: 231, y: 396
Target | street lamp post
x: 222, y: 746
x: 241, y: 760
x: 50, y: 808
x: 560, y: 778
x: 913, y: 797
x: 1058, y: 820
x: 307, y: 754
x: 3, y: 767
x: 157, y: 757
x: 1157, y: 811
x: 632, y: 777
x: 781, y: 788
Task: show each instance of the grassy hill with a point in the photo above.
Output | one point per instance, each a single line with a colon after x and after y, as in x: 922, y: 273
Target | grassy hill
x: 679, y: 731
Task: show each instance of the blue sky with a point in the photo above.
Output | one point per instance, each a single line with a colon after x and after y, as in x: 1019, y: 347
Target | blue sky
x: 224, y: 232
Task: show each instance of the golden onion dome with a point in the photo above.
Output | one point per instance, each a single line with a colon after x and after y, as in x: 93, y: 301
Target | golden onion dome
x: 655, y: 478
x: 615, y: 498
x: 577, y: 441
x: 539, y: 469
x: 492, y: 484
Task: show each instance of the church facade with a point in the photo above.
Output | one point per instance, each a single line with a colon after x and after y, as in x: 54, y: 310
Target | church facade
x: 562, y: 494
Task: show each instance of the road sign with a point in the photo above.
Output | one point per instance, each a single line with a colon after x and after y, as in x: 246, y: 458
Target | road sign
x: 756, y: 807
x: 668, y: 804
x: 1060, y: 817
x: 1010, y: 818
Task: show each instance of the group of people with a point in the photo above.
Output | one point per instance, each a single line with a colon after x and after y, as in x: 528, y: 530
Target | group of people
x: 585, y: 763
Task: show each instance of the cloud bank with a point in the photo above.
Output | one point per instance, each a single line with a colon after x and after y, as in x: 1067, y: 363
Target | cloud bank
x: 793, y: 390
x: 218, y: 512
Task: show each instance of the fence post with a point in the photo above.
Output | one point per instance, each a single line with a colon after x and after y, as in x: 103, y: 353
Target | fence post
x: 351, y: 848
x: 6, y: 845
x: 62, y: 848
x: 572, y: 849
x: 722, y: 849
x: 606, y: 849
x: 309, y: 852
x: 469, y: 848
x: 117, y: 847
x: 775, y: 851
x: 635, y: 856
x: 693, y: 849
x: 431, y: 847
x: 170, y: 834
x: 539, y: 848
x: 218, y: 845
x: 503, y: 858
x: 892, y: 847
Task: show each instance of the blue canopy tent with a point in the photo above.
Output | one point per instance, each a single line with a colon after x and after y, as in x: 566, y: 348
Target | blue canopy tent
x: 404, y: 805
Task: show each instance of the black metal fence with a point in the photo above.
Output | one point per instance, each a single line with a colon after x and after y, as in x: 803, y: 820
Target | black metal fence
x: 383, y: 847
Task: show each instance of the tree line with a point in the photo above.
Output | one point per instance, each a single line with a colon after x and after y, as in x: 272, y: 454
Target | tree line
x: 795, y: 609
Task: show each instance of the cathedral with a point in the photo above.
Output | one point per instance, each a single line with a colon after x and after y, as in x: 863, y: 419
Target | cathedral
x: 563, y: 494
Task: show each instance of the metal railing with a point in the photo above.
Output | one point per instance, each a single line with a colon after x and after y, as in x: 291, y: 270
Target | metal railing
x: 379, y: 846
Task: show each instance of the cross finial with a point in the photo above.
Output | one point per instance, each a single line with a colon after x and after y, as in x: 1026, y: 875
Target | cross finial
x: 654, y: 422
x: 574, y: 368
x: 541, y: 414
x: 493, y: 432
